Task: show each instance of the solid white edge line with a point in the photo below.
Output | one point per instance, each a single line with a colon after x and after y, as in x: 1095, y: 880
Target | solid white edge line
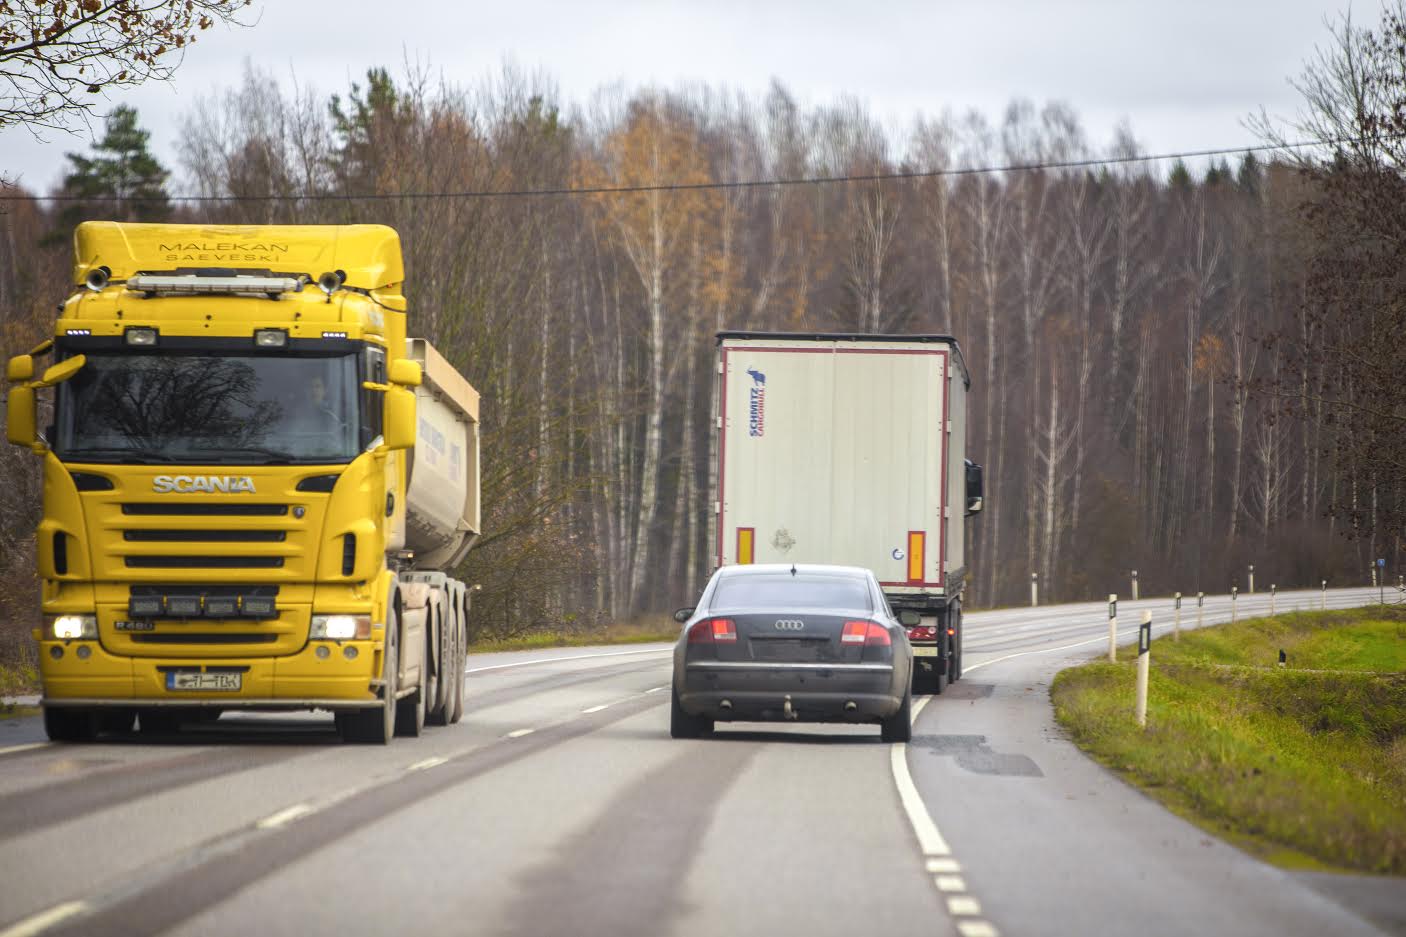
x: 554, y: 660
x: 283, y: 817
x: 37, y: 923
x: 28, y: 746
x: 930, y: 841
x: 519, y: 733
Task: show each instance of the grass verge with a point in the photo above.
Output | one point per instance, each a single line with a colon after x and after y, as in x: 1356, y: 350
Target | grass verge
x: 1304, y: 766
x: 18, y: 679
x: 637, y: 632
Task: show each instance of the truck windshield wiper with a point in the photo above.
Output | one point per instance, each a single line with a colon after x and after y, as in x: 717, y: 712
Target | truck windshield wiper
x: 273, y: 455
x: 126, y: 453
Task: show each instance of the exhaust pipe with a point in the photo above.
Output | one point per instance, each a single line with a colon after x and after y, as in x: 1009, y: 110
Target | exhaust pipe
x: 725, y: 705
x: 851, y: 706
x: 786, y: 709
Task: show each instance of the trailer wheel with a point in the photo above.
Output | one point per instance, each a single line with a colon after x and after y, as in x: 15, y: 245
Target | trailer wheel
x: 70, y: 725
x: 439, y: 691
x: 375, y: 726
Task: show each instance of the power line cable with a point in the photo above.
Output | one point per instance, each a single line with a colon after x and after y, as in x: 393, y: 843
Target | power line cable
x: 700, y: 186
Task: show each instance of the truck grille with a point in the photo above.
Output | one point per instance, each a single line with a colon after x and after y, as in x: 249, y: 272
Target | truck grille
x: 187, y: 509
x: 204, y: 562
x: 204, y: 536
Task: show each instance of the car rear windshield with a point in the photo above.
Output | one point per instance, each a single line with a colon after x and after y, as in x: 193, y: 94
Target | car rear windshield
x: 786, y: 591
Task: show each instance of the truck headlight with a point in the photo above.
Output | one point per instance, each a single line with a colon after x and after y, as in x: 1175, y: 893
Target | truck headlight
x: 340, y: 627
x: 70, y: 627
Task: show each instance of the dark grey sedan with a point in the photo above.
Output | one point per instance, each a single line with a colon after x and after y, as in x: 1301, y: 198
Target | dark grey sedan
x: 802, y: 643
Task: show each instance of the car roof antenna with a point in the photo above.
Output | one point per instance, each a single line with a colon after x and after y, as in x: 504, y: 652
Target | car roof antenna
x: 793, y: 569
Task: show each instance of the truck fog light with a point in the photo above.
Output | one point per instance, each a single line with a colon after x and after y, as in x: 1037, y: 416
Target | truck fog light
x: 56, y: 652
x: 270, y: 338
x: 340, y: 627
x: 71, y: 627
x: 84, y: 652
x: 140, y: 336
x: 349, y: 652
x: 322, y: 652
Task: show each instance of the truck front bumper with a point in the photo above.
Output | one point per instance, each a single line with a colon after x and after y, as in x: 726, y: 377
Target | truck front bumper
x: 339, y: 678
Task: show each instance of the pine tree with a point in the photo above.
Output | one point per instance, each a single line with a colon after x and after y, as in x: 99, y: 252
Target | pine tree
x: 125, y: 182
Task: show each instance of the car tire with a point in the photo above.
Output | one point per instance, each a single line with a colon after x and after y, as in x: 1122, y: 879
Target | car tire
x: 375, y: 726
x: 685, y: 726
x: 70, y: 725
x: 899, y: 726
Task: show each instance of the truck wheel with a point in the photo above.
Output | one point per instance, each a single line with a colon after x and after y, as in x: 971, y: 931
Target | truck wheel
x: 410, y: 711
x: 440, y: 693
x: 899, y: 726
x: 684, y: 726
x: 928, y: 682
x: 375, y: 726
x: 457, y: 677
x: 70, y: 725
x: 956, y: 664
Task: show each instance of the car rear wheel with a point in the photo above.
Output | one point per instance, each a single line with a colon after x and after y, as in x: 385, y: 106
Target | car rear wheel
x: 899, y: 726
x: 685, y: 726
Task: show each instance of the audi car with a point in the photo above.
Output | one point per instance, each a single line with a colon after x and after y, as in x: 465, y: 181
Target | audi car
x: 792, y: 643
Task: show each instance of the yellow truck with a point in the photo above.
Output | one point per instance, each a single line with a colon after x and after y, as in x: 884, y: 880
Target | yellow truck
x: 253, y: 484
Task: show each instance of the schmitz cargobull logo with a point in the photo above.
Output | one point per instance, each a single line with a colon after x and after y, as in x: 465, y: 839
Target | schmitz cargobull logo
x: 756, y: 404
x: 184, y: 484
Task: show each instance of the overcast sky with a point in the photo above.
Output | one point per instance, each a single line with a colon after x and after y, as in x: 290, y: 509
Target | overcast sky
x: 1183, y: 75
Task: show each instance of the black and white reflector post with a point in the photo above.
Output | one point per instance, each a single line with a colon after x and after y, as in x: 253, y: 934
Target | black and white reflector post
x: 1112, y: 627
x: 1176, y: 622
x: 1144, y: 659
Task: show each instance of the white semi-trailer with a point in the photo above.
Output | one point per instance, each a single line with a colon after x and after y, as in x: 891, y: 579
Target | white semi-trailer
x: 851, y: 449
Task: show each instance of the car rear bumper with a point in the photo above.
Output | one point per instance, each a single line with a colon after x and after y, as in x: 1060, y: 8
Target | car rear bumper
x: 749, y: 690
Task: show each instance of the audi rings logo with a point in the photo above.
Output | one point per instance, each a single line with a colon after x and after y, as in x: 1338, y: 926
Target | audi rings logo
x: 789, y: 624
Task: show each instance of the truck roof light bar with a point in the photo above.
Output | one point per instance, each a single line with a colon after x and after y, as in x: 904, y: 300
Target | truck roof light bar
x: 154, y: 285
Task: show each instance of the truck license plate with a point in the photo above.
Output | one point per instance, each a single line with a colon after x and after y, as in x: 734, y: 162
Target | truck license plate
x: 924, y: 652
x: 218, y: 682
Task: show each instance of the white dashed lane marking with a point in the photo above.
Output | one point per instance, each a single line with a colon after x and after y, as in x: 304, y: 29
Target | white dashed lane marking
x: 519, y: 733
x: 38, y: 923
x: 558, y: 660
x: 284, y: 817
x: 594, y: 709
x: 427, y: 763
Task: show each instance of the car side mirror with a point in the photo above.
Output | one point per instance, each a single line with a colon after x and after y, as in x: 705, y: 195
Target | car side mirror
x: 909, y: 618
x: 683, y: 614
x: 976, y: 489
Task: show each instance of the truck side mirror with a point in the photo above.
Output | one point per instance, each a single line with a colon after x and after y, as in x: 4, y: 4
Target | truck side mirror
x: 976, y: 491
x: 21, y: 368
x: 398, y: 429
x: 62, y: 371
x: 406, y: 373
x: 20, y: 418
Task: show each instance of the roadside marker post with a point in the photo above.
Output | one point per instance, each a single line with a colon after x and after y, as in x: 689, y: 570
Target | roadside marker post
x: 1135, y: 589
x: 1273, y: 591
x: 1112, y: 627
x: 1252, y: 579
x: 1323, y: 602
x: 1234, y: 594
x: 1144, y: 661
x: 1176, y: 622
x: 1200, y: 608
x: 1034, y: 589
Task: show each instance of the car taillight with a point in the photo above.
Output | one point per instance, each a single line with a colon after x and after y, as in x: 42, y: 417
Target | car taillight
x: 922, y: 633
x: 868, y: 633
x: 711, y: 630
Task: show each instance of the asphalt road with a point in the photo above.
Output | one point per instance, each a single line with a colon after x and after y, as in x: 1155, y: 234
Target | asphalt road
x: 561, y: 806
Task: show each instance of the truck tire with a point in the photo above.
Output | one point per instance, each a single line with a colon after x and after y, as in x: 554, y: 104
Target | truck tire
x: 117, y: 721
x: 70, y: 725
x: 410, y: 711
x: 955, y: 670
x: 376, y: 725
x: 441, y: 694
x: 684, y: 726
x: 158, y: 721
x: 899, y: 726
x: 461, y: 652
x: 929, y: 682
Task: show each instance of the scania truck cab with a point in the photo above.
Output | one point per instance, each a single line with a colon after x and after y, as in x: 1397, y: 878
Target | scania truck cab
x: 253, y: 484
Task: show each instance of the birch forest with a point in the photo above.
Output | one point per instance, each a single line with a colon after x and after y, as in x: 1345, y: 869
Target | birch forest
x: 1140, y: 334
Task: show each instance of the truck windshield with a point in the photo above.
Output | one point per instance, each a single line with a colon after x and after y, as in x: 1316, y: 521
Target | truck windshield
x: 203, y: 409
